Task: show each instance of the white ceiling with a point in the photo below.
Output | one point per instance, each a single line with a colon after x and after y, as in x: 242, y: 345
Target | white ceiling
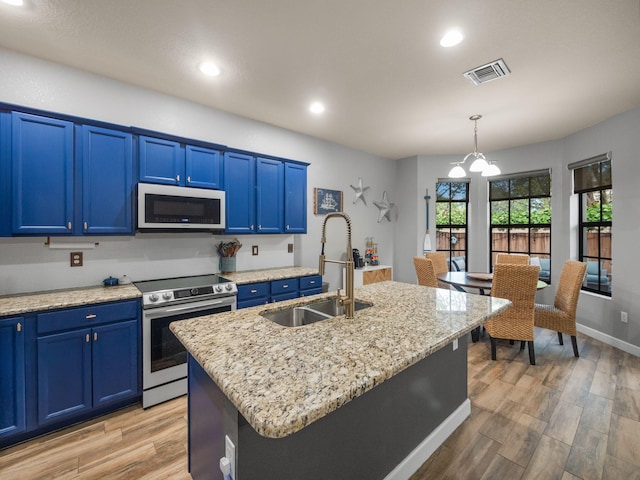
x: 389, y: 88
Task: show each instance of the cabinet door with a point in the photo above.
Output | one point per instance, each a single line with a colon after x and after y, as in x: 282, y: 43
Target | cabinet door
x: 161, y: 161
x: 107, y: 181
x: 269, y: 195
x: 64, y: 375
x: 5, y: 174
x: 42, y: 161
x: 295, y: 198
x: 115, y: 362
x: 203, y: 168
x: 12, y: 377
x: 239, y: 176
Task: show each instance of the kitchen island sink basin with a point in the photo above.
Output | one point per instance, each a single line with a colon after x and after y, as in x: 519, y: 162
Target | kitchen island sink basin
x: 308, y: 314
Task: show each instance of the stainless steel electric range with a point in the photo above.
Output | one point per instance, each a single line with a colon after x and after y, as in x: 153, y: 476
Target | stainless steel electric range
x: 164, y: 361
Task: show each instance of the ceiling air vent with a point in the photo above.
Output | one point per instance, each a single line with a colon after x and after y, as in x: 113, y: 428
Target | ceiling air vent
x: 488, y: 72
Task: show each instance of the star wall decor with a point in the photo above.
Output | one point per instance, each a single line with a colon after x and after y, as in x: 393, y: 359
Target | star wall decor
x: 384, y: 207
x: 359, y: 191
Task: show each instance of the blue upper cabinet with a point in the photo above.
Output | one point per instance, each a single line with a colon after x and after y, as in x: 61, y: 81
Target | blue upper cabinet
x: 161, y: 161
x: 171, y: 163
x: 42, y: 175
x: 265, y: 195
x: 107, y: 181
x: 240, y: 175
x: 203, y: 168
x: 12, y: 377
x: 295, y: 198
x: 269, y: 195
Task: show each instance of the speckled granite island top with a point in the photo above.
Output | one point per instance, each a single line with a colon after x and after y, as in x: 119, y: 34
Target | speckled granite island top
x: 268, y: 274
x: 282, y: 379
x: 71, y: 297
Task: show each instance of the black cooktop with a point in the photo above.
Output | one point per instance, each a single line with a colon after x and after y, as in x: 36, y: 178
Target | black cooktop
x: 177, y: 283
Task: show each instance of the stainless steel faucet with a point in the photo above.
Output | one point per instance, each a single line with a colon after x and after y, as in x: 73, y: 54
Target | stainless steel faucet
x: 348, y: 301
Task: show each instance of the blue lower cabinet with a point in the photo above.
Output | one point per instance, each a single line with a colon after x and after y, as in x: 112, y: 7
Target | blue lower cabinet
x: 64, y: 375
x: 115, y: 362
x: 311, y: 285
x: 285, y: 289
x: 84, y: 369
x: 12, y: 377
x: 252, y: 294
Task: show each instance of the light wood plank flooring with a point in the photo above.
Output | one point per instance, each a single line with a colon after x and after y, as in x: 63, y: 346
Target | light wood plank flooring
x: 564, y: 418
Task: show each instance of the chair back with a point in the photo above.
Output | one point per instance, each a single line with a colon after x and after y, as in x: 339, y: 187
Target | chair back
x: 568, y: 292
x: 439, y: 260
x: 516, y: 283
x: 425, y: 272
x: 513, y: 258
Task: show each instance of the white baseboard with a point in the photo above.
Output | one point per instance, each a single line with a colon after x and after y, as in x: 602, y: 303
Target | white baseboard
x: 425, y: 449
x: 609, y: 340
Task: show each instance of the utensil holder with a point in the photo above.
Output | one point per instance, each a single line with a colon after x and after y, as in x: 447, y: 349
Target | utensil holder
x: 227, y: 264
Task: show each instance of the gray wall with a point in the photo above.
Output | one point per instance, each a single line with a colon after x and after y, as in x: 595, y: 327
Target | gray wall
x: 621, y: 136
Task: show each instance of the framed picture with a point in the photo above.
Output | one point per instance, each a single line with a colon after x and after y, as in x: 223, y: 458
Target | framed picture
x: 326, y: 201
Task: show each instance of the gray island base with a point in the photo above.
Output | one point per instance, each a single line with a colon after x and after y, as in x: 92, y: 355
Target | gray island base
x: 364, y: 398
x: 384, y: 433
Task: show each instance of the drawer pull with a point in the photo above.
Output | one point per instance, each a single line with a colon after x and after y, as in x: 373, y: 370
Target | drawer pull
x: 68, y: 225
x: 312, y: 282
x: 90, y: 316
x: 19, y: 327
x: 95, y: 336
x: 285, y: 286
x: 254, y: 291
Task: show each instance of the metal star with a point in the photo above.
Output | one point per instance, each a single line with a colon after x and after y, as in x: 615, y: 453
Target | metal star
x: 384, y: 207
x: 359, y: 190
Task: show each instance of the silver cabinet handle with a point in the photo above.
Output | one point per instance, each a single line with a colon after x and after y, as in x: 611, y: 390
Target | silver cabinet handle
x: 259, y: 227
x: 19, y: 327
x: 251, y: 227
x: 90, y: 316
x: 69, y: 226
x: 188, y: 179
x: 177, y: 178
x: 86, y: 226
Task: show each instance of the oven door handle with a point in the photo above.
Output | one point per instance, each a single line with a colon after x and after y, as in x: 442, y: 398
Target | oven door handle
x: 191, y: 307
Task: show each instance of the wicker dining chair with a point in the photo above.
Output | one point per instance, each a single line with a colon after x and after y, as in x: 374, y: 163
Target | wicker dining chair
x: 513, y: 258
x: 561, y: 316
x: 425, y: 272
x: 440, y: 265
x: 518, y: 284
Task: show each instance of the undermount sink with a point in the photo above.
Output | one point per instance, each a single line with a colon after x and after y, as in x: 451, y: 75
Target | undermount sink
x: 311, y: 313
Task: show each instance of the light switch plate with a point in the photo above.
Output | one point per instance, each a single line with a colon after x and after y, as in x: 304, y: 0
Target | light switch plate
x: 254, y: 250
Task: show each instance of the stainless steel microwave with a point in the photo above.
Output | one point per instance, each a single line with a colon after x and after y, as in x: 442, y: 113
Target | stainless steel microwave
x: 167, y: 207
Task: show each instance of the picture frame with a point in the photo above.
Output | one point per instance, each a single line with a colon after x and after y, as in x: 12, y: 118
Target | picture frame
x: 327, y: 201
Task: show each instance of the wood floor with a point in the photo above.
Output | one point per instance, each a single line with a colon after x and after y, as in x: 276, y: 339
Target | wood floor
x: 564, y: 418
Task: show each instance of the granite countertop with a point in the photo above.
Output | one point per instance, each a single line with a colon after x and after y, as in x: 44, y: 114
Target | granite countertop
x: 268, y: 274
x: 69, y: 297
x: 282, y: 379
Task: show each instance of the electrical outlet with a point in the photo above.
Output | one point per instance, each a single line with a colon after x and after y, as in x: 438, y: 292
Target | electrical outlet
x: 75, y: 259
x: 455, y: 344
x: 230, y: 453
x: 290, y: 248
x: 624, y: 318
x: 254, y: 250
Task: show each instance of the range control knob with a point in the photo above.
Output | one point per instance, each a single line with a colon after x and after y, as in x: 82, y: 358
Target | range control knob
x: 166, y: 295
x: 228, y: 287
x: 194, y: 291
x: 153, y: 297
x: 218, y: 288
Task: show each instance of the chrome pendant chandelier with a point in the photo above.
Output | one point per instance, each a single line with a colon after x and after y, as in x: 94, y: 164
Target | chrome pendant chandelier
x: 480, y: 163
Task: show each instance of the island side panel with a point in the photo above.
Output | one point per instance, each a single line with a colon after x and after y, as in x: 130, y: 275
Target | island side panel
x: 365, y: 438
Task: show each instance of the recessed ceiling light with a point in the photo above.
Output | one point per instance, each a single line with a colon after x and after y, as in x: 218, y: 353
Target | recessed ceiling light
x: 15, y: 3
x: 210, y: 69
x: 316, y: 107
x: 451, y: 38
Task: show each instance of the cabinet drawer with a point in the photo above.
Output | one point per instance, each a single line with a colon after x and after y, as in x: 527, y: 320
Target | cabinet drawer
x: 253, y: 291
x: 284, y: 286
x: 312, y: 281
x: 284, y: 296
x: 310, y: 291
x: 86, y: 316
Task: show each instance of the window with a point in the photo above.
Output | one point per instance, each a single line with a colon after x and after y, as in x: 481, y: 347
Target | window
x: 452, y: 203
x: 520, y: 208
x: 592, y: 183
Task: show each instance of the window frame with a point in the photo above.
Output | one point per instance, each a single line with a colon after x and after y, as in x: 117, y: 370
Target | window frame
x: 515, y: 193
x: 451, y: 227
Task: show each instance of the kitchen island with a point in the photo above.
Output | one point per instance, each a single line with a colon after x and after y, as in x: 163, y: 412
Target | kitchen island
x: 369, y: 397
